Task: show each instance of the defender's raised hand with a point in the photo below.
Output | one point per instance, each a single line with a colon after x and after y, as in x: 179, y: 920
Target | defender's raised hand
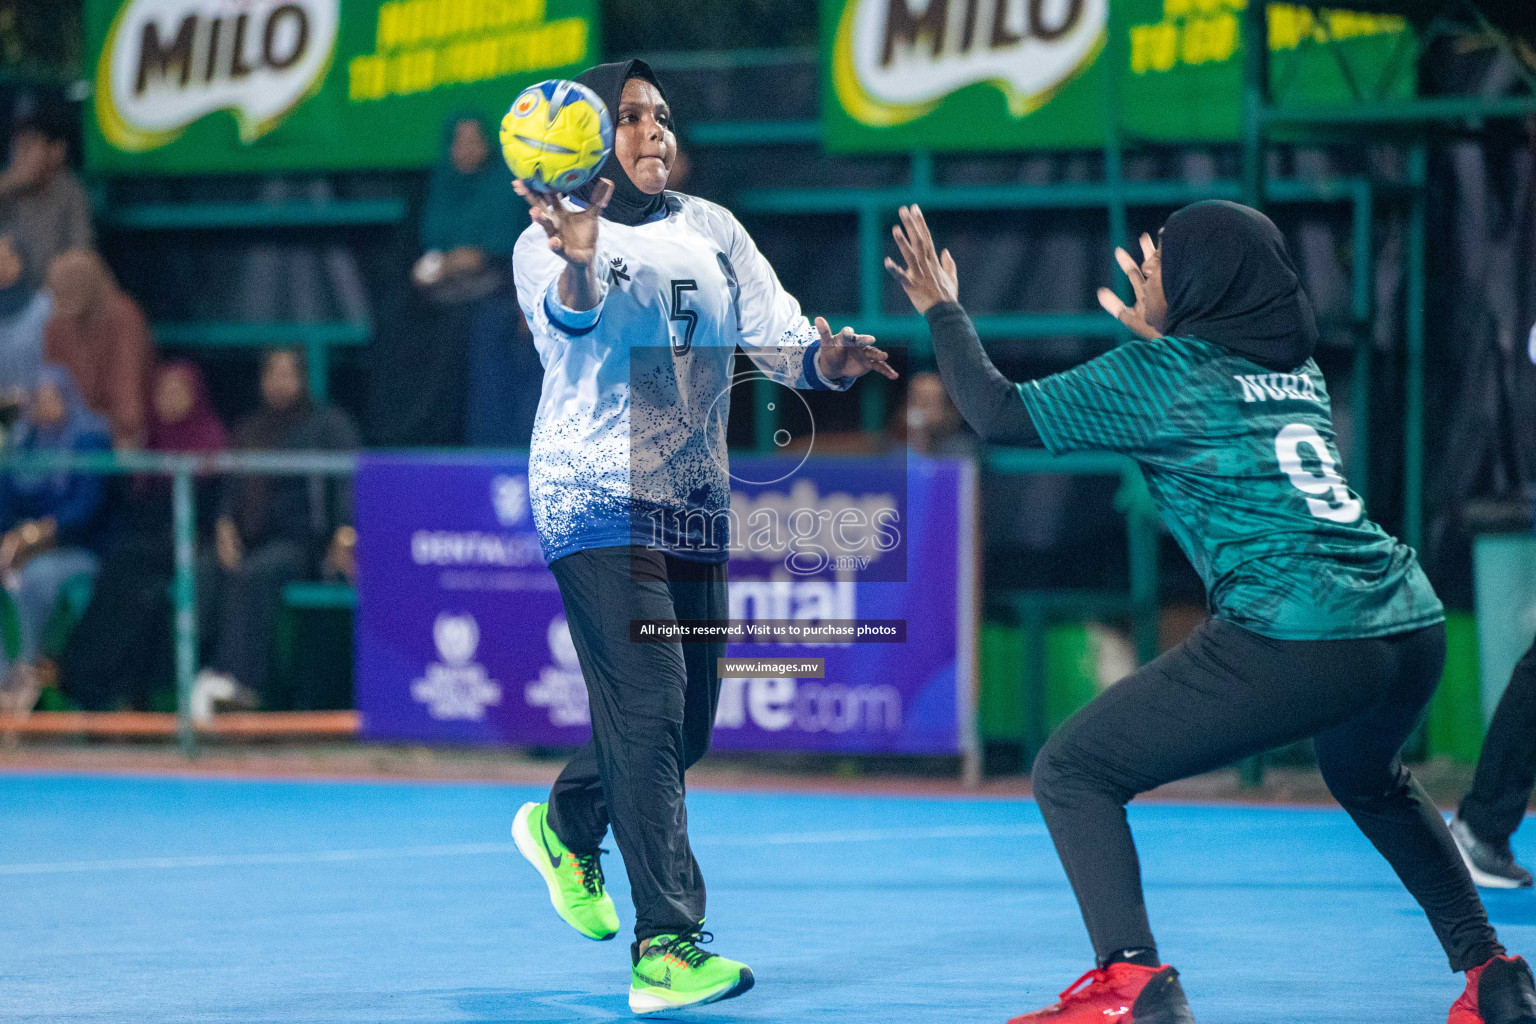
x: 928, y: 277
x: 1150, y: 314
x: 572, y: 233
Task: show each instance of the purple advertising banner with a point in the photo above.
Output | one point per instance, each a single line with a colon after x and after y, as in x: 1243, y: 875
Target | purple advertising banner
x: 461, y: 636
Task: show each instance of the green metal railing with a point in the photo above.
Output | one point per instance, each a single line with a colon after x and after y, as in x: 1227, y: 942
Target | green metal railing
x: 732, y: 60
x: 1410, y: 113
x: 317, y: 338
x: 1034, y: 609
x: 182, y: 469
x: 1133, y: 501
x: 875, y: 208
x: 226, y: 216
x: 1409, y: 121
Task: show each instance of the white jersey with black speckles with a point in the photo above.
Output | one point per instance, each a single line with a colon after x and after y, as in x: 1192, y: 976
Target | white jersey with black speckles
x: 629, y: 443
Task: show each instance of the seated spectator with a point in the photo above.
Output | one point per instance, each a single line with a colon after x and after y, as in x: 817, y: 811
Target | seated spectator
x: 270, y: 532
x: 42, y: 204
x: 100, y: 335
x: 121, y: 649
x: 24, y: 310
x: 51, y: 519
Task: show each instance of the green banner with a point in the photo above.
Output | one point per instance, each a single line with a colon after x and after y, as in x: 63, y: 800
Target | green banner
x: 241, y: 86
x: 1017, y: 74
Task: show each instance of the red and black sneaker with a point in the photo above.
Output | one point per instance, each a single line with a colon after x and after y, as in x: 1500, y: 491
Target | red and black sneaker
x: 1499, y: 992
x: 1120, y: 994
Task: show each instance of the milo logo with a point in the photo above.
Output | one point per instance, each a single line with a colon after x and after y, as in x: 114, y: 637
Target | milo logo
x: 167, y: 63
x: 894, y: 60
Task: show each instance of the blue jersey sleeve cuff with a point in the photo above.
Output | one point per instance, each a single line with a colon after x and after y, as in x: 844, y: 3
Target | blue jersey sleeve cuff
x: 571, y: 321
x: 812, y: 372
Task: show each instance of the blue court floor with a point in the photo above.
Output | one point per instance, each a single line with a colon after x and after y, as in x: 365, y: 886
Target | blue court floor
x: 212, y: 901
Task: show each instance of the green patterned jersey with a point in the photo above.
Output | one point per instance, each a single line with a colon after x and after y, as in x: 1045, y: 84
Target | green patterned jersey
x: 1242, y: 466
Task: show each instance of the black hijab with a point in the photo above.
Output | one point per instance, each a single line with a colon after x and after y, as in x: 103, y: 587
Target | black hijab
x: 1230, y: 281
x: 629, y: 205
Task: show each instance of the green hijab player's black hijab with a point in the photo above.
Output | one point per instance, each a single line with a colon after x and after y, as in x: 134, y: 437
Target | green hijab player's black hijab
x: 1230, y: 281
x: 629, y: 205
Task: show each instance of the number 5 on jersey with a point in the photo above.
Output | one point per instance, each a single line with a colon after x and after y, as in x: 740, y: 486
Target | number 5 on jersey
x: 688, y: 317
x: 1339, y: 506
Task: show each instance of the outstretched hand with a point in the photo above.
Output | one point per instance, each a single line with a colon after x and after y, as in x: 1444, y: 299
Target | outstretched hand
x: 928, y: 277
x: 1148, y: 317
x: 572, y: 233
x: 846, y: 354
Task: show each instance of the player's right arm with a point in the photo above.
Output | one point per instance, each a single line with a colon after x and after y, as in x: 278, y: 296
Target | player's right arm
x: 572, y: 235
x: 561, y: 298
x: 989, y: 402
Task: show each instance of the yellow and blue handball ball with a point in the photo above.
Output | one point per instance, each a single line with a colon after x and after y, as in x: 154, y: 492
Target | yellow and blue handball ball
x: 556, y: 135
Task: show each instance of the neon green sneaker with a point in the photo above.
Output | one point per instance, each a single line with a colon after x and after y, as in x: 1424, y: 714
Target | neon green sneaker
x: 575, y: 882
x: 674, y: 973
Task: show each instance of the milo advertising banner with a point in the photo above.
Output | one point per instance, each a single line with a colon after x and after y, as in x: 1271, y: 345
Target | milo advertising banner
x: 239, y: 86
x: 462, y: 636
x: 1011, y: 74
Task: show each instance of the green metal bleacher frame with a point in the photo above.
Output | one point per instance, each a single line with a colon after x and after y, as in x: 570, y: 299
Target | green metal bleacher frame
x: 302, y: 596
x: 1034, y: 610
x: 318, y: 338
x: 1410, y: 122
x: 874, y: 210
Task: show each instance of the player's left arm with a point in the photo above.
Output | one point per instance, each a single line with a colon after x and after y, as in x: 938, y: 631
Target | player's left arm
x: 777, y: 336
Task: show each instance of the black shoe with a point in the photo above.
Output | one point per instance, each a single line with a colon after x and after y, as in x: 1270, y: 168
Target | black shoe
x: 1492, y: 865
x: 1498, y: 992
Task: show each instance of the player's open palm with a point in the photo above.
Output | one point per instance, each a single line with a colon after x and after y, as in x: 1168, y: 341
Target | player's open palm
x: 850, y: 354
x: 928, y: 277
x: 572, y: 233
x: 1150, y: 313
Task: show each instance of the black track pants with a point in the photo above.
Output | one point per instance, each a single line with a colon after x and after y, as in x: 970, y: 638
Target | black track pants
x: 1507, y: 769
x: 1227, y: 693
x: 653, y: 706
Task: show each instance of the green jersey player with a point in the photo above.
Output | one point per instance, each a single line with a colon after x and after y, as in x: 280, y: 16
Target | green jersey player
x: 1322, y: 625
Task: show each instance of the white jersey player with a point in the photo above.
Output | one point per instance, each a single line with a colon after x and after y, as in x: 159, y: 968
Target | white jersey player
x: 638, y: 299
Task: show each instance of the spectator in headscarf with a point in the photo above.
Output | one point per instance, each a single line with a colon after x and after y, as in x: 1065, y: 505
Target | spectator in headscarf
x: 23, y: 312
x: 100, y: 335
x: 445, y: 360
x: 181, y: 416
x: 51, y: 518
x: 468, y: 228
x: 271, y: 531
x: 122, y: 647
x: 932, y: 421
x: 41, y: 202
